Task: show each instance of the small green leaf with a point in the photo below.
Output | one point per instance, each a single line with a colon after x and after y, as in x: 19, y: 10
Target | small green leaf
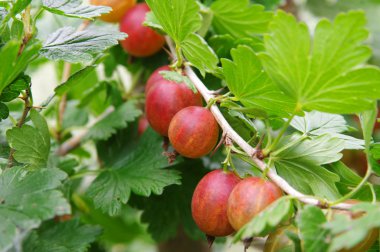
x: 268, y: 220
x: 367, y: 122
x: 74, y: 80
x: 239, y: 18
x: 199, y: 54
x: 74, y: 8
x: 141, y: 171
x: 310, y: 223
x: 116, y: 120
x: 73, y: 46
x: 31, y: 144
x: 69, y: 236
x: 28, y: 198
x: 179, y: 78
x: 17, y: 29
x: 152, y: 22
x: 19, y: 6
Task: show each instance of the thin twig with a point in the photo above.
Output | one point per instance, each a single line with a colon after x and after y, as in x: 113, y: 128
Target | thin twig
x: 247, y: 148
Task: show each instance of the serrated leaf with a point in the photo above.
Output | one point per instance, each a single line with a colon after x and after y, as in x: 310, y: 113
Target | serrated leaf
x: 74, y: 8
x: 179, y: 18
x: 69, y: 236
x: 317, y: 123
x: 73, y: 46
x: 141, y: 171
x: 74, y: 80
x: 310, y: 222
x: 31, y: 144
x: 116, y: 120
x: 324, y: 73
x: 239, y: 18
x: 28, y: 197
x: 347, y: 233
x: 4, y: 111
x: 172, y: 209
x: 252, y: 86
x: 199, y: 54
x: 268, y: 220
x: 299, y: 162
x: 12, y: 64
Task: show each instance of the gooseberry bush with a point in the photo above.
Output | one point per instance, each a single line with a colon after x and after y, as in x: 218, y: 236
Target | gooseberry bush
x: 187, y: 121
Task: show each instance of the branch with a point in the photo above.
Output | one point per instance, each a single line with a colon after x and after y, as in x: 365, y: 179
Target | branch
x: 247, y: 148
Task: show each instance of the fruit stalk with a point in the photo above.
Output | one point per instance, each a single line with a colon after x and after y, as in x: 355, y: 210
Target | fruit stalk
x: 246, y: 147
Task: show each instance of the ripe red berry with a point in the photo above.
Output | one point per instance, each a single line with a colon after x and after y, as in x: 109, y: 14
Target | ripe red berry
x: 155, y: 77
x: 142, y: 41
x: 143, y: 125
x: 164, y: 100
x: 250, y: 197
x: 209, y: 203
x: 193, y: 132
x: 119, y: 7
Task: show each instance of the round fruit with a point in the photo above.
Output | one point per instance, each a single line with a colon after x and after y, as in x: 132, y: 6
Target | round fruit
x: 142, y: 41
x: 209, y: 203
x: 164, y: 100
x: 193, y: 132
x: 279, y: 241
x: 250, y: 197
x: 119, y: 8
x: 143, y: 125
x: 155, y: 77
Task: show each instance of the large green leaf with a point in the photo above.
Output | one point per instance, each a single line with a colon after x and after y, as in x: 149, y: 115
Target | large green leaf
x: 252, y: 86
x: 74, y: 8
x: 324, y: 74
x: 74, y: 80
x: 79, y: 46
x: 268, y: 220
x: 310, y: 223
x: 27, y: 198
x: 31, y: 144
x: 179, y: 18
x: 69, y: 236
x: 239, y: 18
x: 140, y: 171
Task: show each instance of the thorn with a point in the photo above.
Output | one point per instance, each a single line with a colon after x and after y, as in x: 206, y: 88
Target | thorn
x: 221, y: 141
x: 210, y: 240
x: 247, y: 243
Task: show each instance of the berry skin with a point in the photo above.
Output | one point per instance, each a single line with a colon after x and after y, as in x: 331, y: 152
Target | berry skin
x: 119, y: 8
x: 164, y: 100
x: 142, y: 125
x: 142, y: 41
x: 193, y: 132
x: 209, y: 202
x: 155, y: 77
x: 250, y: 197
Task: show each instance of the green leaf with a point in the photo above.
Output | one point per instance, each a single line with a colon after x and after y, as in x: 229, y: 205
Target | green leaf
x: 347, y: 233
x: 69, y: 236
x: 17, y: 29
x: 74, y: 8
x: 140, y: 171
x: 4, y: 111
x: 74, y: 116
x: 19, y: 6
x: 310, y: 223
x: 179, y: 18
x: 268, y: 220
x: 178, y: 78
x: 172, y: 209
x: 152, y: 22
x: 28, y: 197
x: 252, y: 86
x: 73, y: 46
x: 367, y: 122
x: 12, y: 64
x: 118, y: 119
x: 324, y: 74
x: 74, y: 80
x: 199, y: 54
x: 239, y: 18
x: 31, y: 144
x: 317, y: 123
x: 299, y: 162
